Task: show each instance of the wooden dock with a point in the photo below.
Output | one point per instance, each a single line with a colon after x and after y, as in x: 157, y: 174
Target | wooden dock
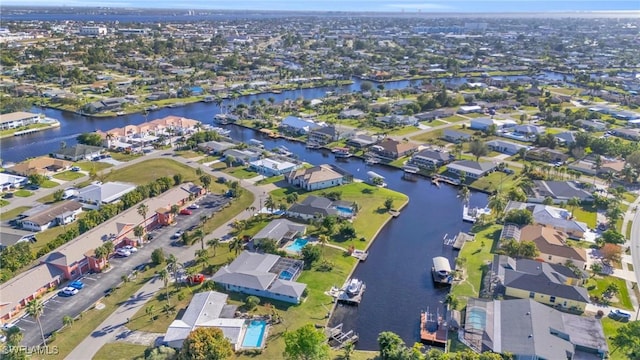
x: 359, y: 254
x: 432, y: 331
x: 394, y: 213
x: 461, y: 239
x: 338, y: 339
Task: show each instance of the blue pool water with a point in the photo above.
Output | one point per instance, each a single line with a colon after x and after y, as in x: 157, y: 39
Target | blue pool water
x: 477, y: 318
x: 344, y: 210
x: 285, y: 275
x: 254, y: 334
x: 297, y: 245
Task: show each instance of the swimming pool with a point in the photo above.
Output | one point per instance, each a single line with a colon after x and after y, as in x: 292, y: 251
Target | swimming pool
x: 477, y: 318
x: 297, y: 245
x: 285, y: 275
x: 253, y: 337
x: 344, y: 211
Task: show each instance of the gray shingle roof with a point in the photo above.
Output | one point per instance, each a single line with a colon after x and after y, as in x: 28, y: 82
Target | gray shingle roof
x: 313, y: 205
x: 277, y: 229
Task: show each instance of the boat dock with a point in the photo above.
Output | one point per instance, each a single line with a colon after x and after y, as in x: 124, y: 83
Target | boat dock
x: 343, y: 296
x: 472, y: 214
x: 338, y: 339
x: 437, y: 179
x: 441, y: 271
x: 359, y: 254
x: 432, y: 331
x: 458, y: 241
x: 394, y: 213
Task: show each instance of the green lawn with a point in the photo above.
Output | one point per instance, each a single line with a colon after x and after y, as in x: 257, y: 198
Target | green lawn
x: 433, y: 123
x: 400, y: 162
x: 404, y: 131
x: 23, y: 193
x: 120, y: 351
x: 476, y: 258
x: 48, y: 184
x: 587, y: 215
x: 270, y: 180
x: 610, y: 327
x: 429, y: 136
x: 97, y: 165
x: 241, y: 172
x: 124, y: 157
x: 629, y: 197
x: 454, y: 118
x: 496, y: 181
x: 628, y: 231
x: 208, y: 159
x: 13, y: 213
x: 3, y: 202
x: 188, y: 154
x: 238, y: 205
x: 149, y: 170
x: 69, y: 175
x: 597, y: 285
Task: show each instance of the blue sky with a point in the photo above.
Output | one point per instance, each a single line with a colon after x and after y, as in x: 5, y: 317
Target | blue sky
x: 358, y: 5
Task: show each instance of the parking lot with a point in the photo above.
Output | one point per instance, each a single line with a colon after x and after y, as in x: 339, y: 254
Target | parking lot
x: 97, y: 284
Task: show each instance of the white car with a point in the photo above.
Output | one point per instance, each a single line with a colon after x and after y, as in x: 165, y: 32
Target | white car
x: 69, y: 291
x: 123, y: 252
x: 177, y: 235
x: 130, y: 248
x: 193, y: 206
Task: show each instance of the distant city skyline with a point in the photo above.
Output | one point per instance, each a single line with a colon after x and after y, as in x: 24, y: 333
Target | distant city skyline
x: 433, y: 6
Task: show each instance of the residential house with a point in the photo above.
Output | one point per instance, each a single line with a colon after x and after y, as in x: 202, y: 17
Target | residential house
x: 559, y: 191
x: 9, y: 181
x: 553, y: 246
x: 296, y: 125
x: 280, y: 230
x: 215, y: 147
x: 207, y: 309
x: 78, y: 152
x: 482, y: 124
x: 431, y: 158
x: 314, y: 207
x: 41, y: 166
x: 629, y: 134
x: 244, y: 156
x: 43, y: 217
x: 272, y: 166
x: 394, y: 119
x: 505, y: 147
x: 265, y: 275
x: 435, y: 114
x: 550, y: 216
x: 319, y: 177
x: 584, y: 166
x: 566, y: 138
x: 614, y: 166
x: 472, y: 169
x: 362, y: 140
x: 97, y: 194
x: 327, y: 134
x: 467, y: 109
x: 550, y: 284
x: 10, y: 236
x: 542, y: 332
x: 393, y: 149
x: 455, y: 136
x: 592, y: 125
x: 351, y: 114
x: 547, y: 155
x: 528, y: 130
x: 18, y: 119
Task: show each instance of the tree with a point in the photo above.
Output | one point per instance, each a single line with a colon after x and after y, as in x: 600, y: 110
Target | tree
x: 627, y: 338
x: 35, y: 308
x: 175, y: 209
x: 214, y: 243
x: 230, y: 160
x: 206, y: 343
x: 347, y: 350
x: 269, y: 203
x: 328, y: 223
x: 596, y: 267
x: 139, y: 232
x: 390, y: 345
x: 520, y: 217
x: 150, y: 310
x: 235, y: 245
x: 37, y: 179
x: 613, y: 214
x: 478, y: 149
x: 93, y: 139
x: 366, y: 86
x: 251, y: 302
x: 611, y: 236
x: 67, y: 320
x: 465, y: 194
x: 347, y: 231
x: 611, y: 252
x: 517, y: 249
x: 206, y: 181
x: 516, y: 194
x: 310, y: 254
x: 306, y: 343
x: 143, y: 210
x: 173, y: 266
x: 497, y: 204
x: 388, y: 204
x: 452, y: 301
x: 547, y: 201
x: 109, y: 247
x: 157, y: 256
x: 323, y: 240
x: 58, y: 195
x: 573, y: 203
x: 177, y: 179
x: 164, y: 276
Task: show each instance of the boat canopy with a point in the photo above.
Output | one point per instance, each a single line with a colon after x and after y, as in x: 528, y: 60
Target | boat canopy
x: 373, y: 174
x: 441, y: 265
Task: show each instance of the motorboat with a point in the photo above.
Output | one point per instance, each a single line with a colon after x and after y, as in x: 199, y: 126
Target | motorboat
x: 354, y: 287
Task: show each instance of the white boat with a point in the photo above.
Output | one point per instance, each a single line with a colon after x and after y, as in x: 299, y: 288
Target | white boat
x: 354, y: 287
x: 256, y: 143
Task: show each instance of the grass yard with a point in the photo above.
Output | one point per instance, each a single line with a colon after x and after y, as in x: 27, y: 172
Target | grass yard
x: 88, y: 165
x: 208, y: 159
x: 588, y: 216
x: 629, y: 197
x: 188, y: 154
x: 244, y: 201
x: 120, y: 351
x: 23, y: 193
x: 433, y: 123
x: 597, y: 286
x: 270, y: 180
x: 47, y: 199
x: 495, y: 181
x: 610, y: 327
x: 149, y: 170
x: 69, y: 175
x: 428, y: 136
x: 48, y: 184
x: 241, y: 172
x: 628, y: 231
x: 454, y: 118
x: 404, y: 131
x: 476, y: 258
x: 3, y: 202
x: 124, y: 157
x: 400, y: 162
x: 8, y: 215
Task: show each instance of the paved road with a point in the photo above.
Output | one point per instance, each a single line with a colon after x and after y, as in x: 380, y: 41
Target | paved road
x: 635, y: 247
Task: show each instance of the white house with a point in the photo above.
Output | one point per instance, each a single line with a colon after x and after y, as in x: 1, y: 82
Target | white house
x: 505, y: 147
x: 272, y: 167
x: 43, y: 217
x: 18, y: 119
x: 98, y: 194
x: 318, y: 177
x: 9, y: 181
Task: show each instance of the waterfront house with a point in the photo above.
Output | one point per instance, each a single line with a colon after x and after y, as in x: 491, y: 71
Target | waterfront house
x: 362, y: 140
x: 559, y: 191
x: 265, y: 275
x: 97, y: 194
x: 319, y: 177
x: 18, y: 119
x: 78, y: 152
x: 314, y: 207
x: 244, y: 156
x: 455, y: 136
x: 43, y: 217
x: 281, y: 231
x: 327, y: 134
x: 296, y: 125
x: 431, y: 158
x: 505, y: 147
x: 207, y: 309
x: 272, y: 167
x: 393, y: 149
x: 553, y: 246
x: 550, y: 284
x: 550, y: 216
x: 42, y: 166
x: 526, y: 329
x: 215, y: 147
x: 471, y: 169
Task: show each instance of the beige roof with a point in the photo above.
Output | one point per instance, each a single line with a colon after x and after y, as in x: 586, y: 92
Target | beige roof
x: 152, y: 126
x: 552, y: 242
x: 26, y: 284
x: 49, y: 214
x: 317, y: 174
x: 39, y: 165
x: 14, y: 116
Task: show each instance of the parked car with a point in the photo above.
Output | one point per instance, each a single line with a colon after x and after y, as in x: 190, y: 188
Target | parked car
x: 75, y: 168
x: 195, y: 279
x: 123, y: 252
x: 177, y: 235
x: 130, y: 248
x: 68, y: 291
x: 77, y: 284
x: 185, y: 212
x: 193, y: 206
x: 622, y: 315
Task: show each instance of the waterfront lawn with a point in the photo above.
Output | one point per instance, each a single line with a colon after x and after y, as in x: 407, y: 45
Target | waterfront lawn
x: 477, y: 255
x: 124, y: 157
x: 149, y: 170
x: 495, y: 181
x: 597, y: 285
x: 69, y: 175
x: 241, y: 172
x: 22, y: 193
x: 400, y: 161
x: 120, y: 351
x: 13, y: 213
x: 587, y: 214
x: 97, y: 165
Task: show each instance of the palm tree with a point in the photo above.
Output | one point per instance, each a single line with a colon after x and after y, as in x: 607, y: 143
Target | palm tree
x: 164, y: 276
x: 464, y: 194
x: 202, y: 257
x: 149, y: 310
x: 573, y: 203
x: 236, y: 245
x: 269, y: 203
x: 214, y: 244
x: 67, y: 320
x: 175, y: 209
x: 348, y: 350
x: 101, y: 253
x: 142, y: 211
x: 323, y: 240
x: 109, y: 247
x: 172, y: 266
x: 199, y: 234
x: 35, y: 308
x: 497, y: 203
x: 138, y: 231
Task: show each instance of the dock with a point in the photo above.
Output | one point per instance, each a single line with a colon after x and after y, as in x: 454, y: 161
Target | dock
x: 359, y: 254
x: 437, y: 179
x: 337, y: 338
x: 432, y: 331
x: 458, y: 241
x: 341, y: 294
x: 394, y: 213
x: 472, y: 214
